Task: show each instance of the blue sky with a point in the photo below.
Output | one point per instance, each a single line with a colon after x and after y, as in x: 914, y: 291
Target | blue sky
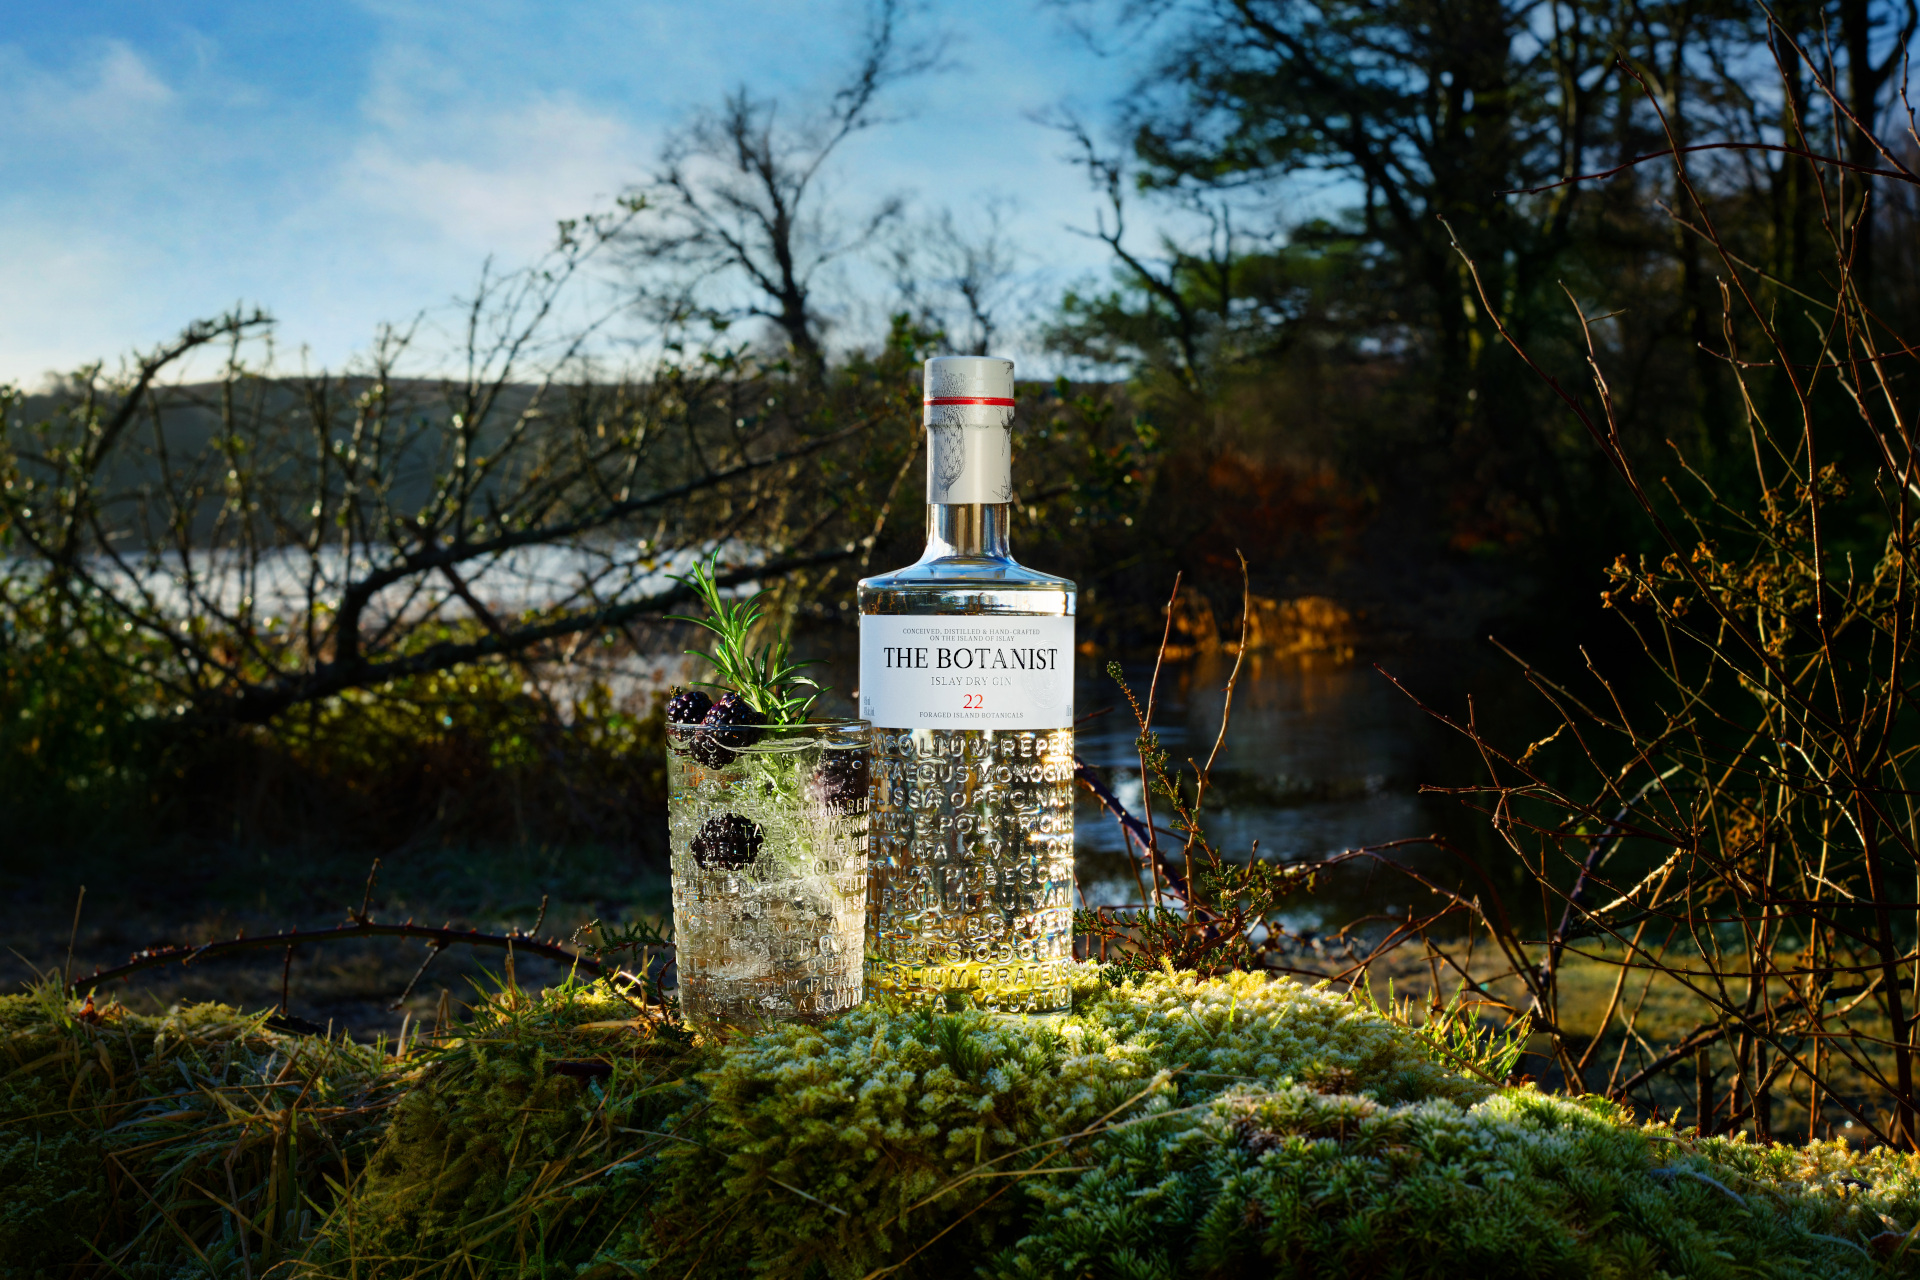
x: 344, y: 164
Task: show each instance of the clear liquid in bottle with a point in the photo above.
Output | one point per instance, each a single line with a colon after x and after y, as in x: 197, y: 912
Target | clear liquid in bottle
x: 966, y: 673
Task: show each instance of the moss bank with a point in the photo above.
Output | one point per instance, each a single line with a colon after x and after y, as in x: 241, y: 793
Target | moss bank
x: 1176, y: 1127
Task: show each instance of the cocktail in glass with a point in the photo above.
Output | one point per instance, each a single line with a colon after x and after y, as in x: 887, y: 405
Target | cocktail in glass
x: 768, y: 828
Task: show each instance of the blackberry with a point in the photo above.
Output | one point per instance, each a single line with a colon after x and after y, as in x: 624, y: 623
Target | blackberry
x: 727, y: 843
x: 841, y: 781
x: 728, y: 729
x: 688, y: 707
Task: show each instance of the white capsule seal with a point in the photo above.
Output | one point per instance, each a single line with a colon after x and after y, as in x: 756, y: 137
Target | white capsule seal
x: 969, y: 415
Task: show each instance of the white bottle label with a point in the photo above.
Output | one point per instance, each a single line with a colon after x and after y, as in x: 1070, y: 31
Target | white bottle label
x: 966, y: 671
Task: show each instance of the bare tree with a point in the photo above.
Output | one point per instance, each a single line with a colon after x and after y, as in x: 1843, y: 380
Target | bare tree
x: 276, y: 541
x: 737, y: 199
x: 1192, y: 294
x: 963, y: 279
x: 1746, y: 836
x: 1864, y: 96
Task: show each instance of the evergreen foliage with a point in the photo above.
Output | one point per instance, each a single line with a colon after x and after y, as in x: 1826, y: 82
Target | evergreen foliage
x: 1172, y: 1126
x: 765, y: 675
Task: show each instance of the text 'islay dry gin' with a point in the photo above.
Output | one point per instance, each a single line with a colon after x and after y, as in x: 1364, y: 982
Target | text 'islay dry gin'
x: 966, y: 675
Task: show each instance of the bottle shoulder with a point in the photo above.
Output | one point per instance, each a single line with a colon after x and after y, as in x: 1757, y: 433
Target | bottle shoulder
x: 968, y: 584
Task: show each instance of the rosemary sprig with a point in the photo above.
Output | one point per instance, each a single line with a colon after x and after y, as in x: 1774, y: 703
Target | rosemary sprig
x: 766, y: 677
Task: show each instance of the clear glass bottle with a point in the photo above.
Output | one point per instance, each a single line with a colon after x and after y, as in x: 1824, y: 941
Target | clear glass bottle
x: 966, y: 674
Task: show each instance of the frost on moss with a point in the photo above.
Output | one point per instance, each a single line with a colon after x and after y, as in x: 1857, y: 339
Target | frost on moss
x: 853, y: 1144
x: 898, y: 1126
x: 51, y: 1173
x: 1169, y: 1127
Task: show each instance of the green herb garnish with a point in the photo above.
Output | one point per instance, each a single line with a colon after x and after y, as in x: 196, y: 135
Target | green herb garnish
x: 766, y: 677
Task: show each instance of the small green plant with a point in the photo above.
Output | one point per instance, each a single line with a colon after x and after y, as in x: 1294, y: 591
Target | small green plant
x: 1455, y: 1031
x: 765, y: 676
x: 641, y: 942
x: 1204, y: 910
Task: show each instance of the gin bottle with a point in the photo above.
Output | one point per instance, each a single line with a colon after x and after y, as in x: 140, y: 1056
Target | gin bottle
x: 966, y: 675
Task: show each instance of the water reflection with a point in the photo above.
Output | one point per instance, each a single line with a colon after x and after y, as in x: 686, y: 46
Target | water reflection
x: 1318, y: 756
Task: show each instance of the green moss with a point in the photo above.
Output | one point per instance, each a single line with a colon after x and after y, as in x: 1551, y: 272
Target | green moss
x: 1242, y: 1029
x: 1169, y: 1127
x: 51, y: 1171
x: 1292, y: 1182
x: 878, y: 1119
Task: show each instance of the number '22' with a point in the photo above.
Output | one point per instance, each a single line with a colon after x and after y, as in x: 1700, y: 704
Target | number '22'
x: 972, y: 702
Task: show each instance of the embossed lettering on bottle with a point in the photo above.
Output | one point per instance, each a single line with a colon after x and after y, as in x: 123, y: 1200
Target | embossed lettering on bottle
x: 966, y: 674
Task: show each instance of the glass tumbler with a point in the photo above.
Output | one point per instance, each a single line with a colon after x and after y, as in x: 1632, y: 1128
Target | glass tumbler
x: 768, y: 828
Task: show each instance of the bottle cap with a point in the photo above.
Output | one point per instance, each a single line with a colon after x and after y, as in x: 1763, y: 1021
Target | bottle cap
x: 969, y: 416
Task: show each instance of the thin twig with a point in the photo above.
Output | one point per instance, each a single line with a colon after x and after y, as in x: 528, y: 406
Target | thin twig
x: 366, y: 898
x: 73, y: 934
x: 445, y: 937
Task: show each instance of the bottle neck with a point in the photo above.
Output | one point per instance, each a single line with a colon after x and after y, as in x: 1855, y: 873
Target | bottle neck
x: 973, y: 529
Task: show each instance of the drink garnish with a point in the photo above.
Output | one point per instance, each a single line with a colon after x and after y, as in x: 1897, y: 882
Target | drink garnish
x: 763, y: 677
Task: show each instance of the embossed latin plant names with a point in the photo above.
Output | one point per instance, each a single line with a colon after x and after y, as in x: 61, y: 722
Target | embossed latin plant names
x: 966, y: 675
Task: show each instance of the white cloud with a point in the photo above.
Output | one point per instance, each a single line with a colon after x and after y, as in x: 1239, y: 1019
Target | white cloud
x: 110, y: 105
x: 141, y: 188
x: 494, y: 181
x: 115, y: 88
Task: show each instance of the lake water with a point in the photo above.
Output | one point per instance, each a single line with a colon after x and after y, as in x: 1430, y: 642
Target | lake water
x: 1318, y: 757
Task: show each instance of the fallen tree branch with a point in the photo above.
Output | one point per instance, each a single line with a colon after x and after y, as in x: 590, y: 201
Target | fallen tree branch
x: 259, y: 704
x: 440, y: 939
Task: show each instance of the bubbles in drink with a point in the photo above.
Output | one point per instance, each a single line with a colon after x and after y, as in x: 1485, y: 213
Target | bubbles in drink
x: 769, y: 876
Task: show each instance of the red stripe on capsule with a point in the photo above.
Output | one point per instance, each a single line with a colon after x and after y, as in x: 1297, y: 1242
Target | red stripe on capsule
x: 992, y: 400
